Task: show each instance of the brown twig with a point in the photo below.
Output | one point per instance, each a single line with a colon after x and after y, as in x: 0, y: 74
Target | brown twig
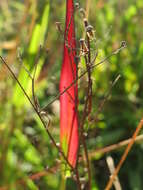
x: 88, y: 65
x: 91, y: 155
x: 87, y: 110
x: 124, y: 156
x: 82, y: 139
x: 88, y: 2
x: 111, y: 166
x: 37, y: 112
x: 101, y: 105
x: 34, y: 176
x: 93, y: 66
x: 113, y: 147
x: 35, y: 99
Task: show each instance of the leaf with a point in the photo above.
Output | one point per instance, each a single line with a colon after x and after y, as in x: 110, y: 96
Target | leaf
x: 68, y: 102
x: 38, y: 37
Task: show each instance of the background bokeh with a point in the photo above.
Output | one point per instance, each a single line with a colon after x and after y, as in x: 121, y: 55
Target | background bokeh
x: 25, y: 148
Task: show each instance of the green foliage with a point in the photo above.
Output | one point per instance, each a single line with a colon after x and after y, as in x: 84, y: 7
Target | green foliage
x: 25, y: 147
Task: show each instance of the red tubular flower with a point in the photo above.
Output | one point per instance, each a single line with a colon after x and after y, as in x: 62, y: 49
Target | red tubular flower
x: 68, y: 100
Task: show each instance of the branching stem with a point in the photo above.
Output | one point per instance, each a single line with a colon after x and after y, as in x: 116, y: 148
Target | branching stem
x: 37, y: 112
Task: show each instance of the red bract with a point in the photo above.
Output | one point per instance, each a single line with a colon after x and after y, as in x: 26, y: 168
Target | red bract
x: 68, y: 100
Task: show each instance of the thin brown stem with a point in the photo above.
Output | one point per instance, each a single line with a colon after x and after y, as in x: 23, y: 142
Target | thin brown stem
x: 35, y: 99
x: 88, y: 65
x: 92, y: 154
x: 78, y: 178
x: 37, y: 112
x: 93, y: 66
x: 82, y: 137
x: 114, y: 147
x: 101, y: 105
x: 124, y: 156
x: 111, y: 166
x: 35, y: 176
x: 87, y: 111
x: 88, y: 2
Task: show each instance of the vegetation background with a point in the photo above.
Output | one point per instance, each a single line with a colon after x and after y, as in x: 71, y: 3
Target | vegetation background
x: 25, y: 148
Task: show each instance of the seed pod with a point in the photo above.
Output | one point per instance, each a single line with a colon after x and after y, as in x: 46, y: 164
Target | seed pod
x: 85, y: 22
x: 90, y: 32
x: 77, y: 5
x: 83, y: 47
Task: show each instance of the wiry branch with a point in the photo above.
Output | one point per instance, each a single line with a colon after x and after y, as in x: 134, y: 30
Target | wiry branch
x: 35, y: 99
x: 93, y: 66
x: 111, y: 166
x: 101, y: 105
x: 114, y: 147
x: 37, y: 112
x: 124, y: 156
x: 87, y: 109
x: 35, y: 176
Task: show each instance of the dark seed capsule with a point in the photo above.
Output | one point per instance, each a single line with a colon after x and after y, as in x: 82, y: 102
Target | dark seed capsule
x: 123, y: 44
x: 83, y: 47
x: 89, y: 30
x: 85, y: 22
x: 77, y: 5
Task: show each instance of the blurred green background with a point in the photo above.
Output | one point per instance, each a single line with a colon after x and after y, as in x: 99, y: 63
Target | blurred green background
x: 25, y: 148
